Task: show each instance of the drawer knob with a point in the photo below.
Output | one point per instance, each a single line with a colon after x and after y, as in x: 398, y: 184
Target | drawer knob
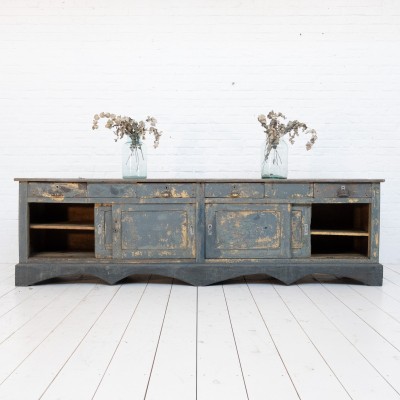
x: 235, y: 194
x: 343, y: 192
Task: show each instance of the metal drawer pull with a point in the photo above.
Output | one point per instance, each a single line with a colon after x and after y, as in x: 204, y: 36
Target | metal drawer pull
x: 343, y: 192
x: 209, y: 229
x: 306, y: 230
x: 235, y: 193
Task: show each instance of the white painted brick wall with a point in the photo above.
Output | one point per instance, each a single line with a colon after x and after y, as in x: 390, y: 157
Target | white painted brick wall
x: 205, y: 69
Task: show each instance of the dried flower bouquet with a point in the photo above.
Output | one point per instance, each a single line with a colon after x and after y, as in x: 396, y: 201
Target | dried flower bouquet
x: 276, y: 129
x: 126, y: 126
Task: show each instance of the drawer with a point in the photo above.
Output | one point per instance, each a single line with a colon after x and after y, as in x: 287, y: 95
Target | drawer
x: 111, y: 190
x: 56, y: 189
x: 165, y: 190
x: 234, y: 190
x: 289, y: 190
x: 342, y: 190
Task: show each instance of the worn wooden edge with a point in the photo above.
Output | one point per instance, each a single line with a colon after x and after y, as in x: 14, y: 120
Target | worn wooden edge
x: 193, y: 180
x: 23, y: 222
x: 197, y: 275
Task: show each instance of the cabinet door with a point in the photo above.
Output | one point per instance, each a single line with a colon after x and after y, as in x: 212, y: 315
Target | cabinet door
x: 144, y: 231
x: 247, y: 231
x: 300, y: 226
x: 103, y: 231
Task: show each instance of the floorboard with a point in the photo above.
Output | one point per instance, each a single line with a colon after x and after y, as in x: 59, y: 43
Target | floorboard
x: 362, y: 383
x: 81, y: 373
x: 57, y: 347
x: 310, y: 373
x: 20, y: 344
x: 7, y: 285
x: 219, y: 373
x: 173, y: 374
x: 152, y: 338
x: 259, y: 357
x: 381, y: 322
x: 14, y: 298
x: 380, y: 353
x: 128, y: 373
x: 27, y: 312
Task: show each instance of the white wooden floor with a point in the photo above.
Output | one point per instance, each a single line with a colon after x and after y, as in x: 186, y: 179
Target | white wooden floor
x: 155, y: 338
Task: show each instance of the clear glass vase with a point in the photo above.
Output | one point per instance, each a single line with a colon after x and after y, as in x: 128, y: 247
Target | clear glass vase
x: 274, y: 163
x: 134, y: 160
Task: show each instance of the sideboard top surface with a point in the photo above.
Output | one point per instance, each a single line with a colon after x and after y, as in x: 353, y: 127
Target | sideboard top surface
x: 90, y: 180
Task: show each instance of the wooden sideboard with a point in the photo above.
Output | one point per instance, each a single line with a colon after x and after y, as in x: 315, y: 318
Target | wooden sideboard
x: 198, y: 231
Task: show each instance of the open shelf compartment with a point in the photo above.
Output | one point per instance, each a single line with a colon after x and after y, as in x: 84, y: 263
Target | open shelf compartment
x: 61, y: 230
x: 340, y: 230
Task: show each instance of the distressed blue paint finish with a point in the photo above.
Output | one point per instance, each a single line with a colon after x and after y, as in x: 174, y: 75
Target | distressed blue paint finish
x: 289, y: 190
x: 234, y: 190
x: 300, y: 230
x: 204, y: 231
x: 155, y: 231
x: 247, y: 231
x: 103, y: 231
x: 111, y: 190
x: 59, y: 190
x: 342, y: 190
x: 166, y: 190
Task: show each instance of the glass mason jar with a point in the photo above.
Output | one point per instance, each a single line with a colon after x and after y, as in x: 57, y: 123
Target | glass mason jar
x: 134, y: 160
x: 275, y: 161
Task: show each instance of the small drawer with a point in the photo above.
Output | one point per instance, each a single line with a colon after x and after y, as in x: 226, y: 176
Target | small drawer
x: 234, y: 190
x: 111, y: 190
x: 57, y: 189
x: 289, y: 190
x: 342, y: 190
x: 165, y: 190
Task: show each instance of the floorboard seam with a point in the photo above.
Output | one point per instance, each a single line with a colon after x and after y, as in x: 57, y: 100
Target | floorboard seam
x: 122, y: 336
x: 158, y: 341
x: 272, y: 339
x: 234, y: 339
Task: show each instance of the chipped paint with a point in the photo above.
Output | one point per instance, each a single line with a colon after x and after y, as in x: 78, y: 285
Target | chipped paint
x: 376, y: 239
x: 56, y: 197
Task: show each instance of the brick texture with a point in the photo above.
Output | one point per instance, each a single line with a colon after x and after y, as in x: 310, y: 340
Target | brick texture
x: 205, y: 69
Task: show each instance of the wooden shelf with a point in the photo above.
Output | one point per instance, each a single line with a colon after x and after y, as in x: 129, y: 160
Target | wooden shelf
x: 340, y: 256
x: 63, y: 254
x: 323, y: 232
x: 64, y: 226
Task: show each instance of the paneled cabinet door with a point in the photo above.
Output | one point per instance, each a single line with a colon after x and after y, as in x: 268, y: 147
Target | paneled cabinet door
x: 247, y: 231
x: 300, y: 226
x: 144, y: 231
x: 103, y: 231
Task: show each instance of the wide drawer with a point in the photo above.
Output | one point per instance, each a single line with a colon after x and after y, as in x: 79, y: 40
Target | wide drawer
x: 111, y: 190
x: 289, y: 190
x: 234, y: 190
x: 56, y: 189
x: 342, y: 190
x: 166, y: 190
